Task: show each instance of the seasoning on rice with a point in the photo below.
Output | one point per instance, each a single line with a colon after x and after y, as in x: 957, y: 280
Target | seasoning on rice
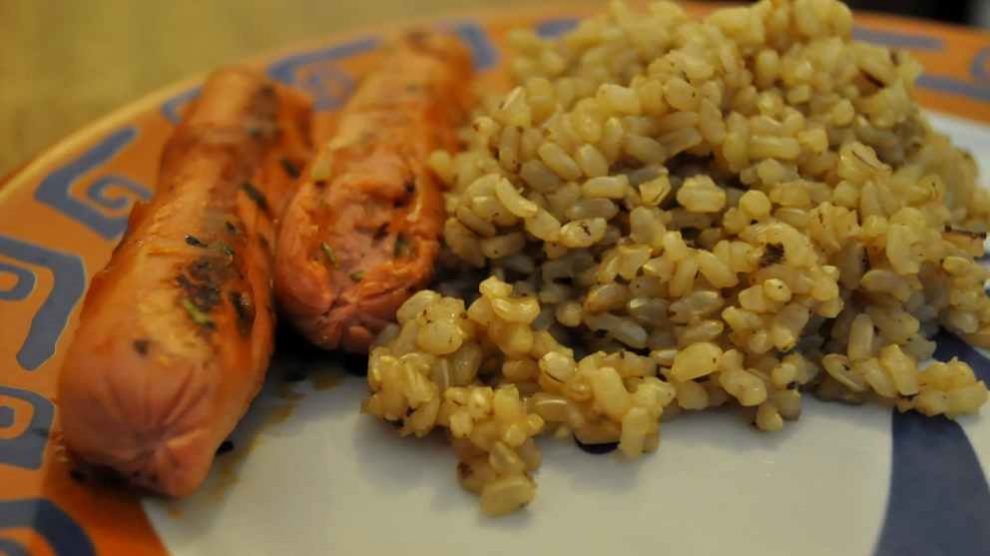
x: 676, y: 215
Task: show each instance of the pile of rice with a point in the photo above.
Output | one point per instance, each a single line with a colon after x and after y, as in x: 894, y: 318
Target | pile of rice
x: 674, y: 215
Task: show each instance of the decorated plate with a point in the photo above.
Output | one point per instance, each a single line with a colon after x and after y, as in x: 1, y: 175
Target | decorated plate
x: 308, y: 474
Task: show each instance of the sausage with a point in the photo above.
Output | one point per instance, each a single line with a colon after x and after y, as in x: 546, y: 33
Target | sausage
x: 362, y: 232
x: 176, y: 333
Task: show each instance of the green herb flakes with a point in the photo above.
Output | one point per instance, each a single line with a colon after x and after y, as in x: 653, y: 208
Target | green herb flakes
x: 196, y: 314
x: 331, y: 256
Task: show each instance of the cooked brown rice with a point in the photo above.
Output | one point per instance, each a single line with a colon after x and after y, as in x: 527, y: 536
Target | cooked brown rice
x: 675, y: 215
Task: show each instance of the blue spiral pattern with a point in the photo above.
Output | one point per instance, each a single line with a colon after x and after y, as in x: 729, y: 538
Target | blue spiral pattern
x: 315, y: 73
x: 56, y: 189
x: 172, y: 108
x: 550, y: 28
x: 64, y: 536
x: 484, y: 55
x: 978, y: 68
x: 69, y: 277
x: 26, y: 450
x: 109, y: 191
x: 22, y: 288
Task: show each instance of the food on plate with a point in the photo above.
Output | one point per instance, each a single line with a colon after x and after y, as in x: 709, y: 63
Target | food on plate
x: 662, y: 215
x: 176, y: 332
x: 673, y: 215
x: 363, y: 231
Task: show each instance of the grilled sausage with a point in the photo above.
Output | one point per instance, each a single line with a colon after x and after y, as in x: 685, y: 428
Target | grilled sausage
x: 176, y: 332
x: 362, y: 232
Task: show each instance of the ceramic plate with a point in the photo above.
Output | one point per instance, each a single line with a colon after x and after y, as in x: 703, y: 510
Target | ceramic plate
x: 309, y: 475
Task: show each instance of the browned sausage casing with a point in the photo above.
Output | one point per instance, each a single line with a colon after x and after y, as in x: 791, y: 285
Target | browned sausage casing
x: 176, y: 332
x: 363, y: 232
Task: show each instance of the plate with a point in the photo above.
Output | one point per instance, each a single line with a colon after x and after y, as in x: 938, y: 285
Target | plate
x: 309, y: 474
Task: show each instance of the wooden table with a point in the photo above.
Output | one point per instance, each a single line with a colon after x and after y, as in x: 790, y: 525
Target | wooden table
x: 65, y: 63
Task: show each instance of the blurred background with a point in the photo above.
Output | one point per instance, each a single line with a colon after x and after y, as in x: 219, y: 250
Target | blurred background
x: 65, y: 63
x: 961, y: 12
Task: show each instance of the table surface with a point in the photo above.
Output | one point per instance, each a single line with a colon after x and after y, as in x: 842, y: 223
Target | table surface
x: 65, y: 63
